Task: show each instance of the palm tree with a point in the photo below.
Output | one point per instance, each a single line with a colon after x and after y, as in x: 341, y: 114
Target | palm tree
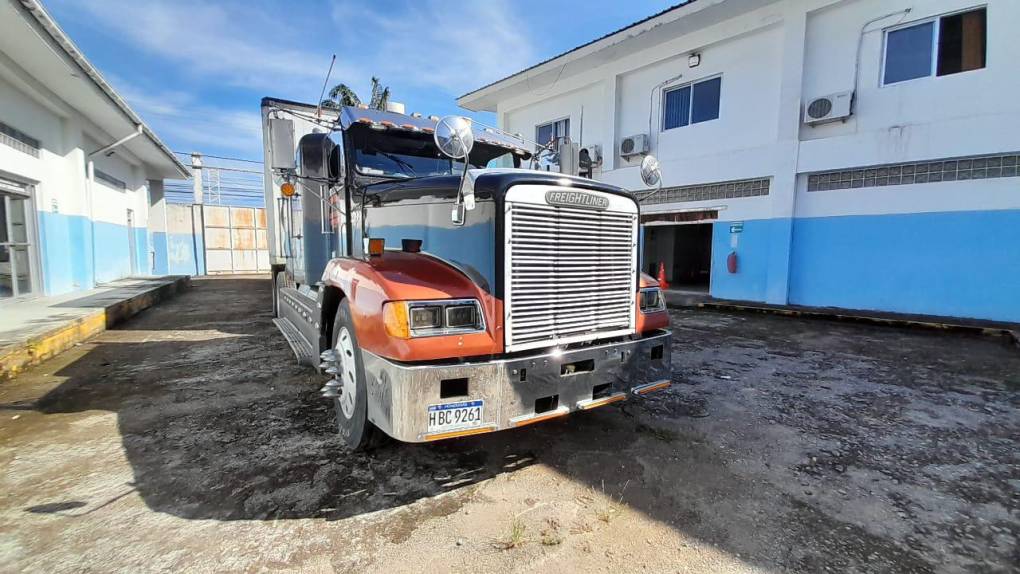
x: 342, y: 95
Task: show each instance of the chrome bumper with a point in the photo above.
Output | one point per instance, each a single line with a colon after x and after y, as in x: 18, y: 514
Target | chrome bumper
x: 400, y: 394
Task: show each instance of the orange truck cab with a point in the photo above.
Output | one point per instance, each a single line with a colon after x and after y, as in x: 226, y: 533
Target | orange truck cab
x: 443, y: 297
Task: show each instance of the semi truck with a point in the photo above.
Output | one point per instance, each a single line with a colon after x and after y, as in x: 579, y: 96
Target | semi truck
x: 442, y: 287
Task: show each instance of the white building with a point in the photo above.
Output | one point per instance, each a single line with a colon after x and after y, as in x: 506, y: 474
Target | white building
x: 908, y: 202
x: 81, y: 175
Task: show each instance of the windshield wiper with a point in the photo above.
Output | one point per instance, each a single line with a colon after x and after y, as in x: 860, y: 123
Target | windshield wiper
x: 398, y: 161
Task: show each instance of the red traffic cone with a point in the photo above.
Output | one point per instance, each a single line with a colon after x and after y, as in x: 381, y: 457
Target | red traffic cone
x: 663, y: 284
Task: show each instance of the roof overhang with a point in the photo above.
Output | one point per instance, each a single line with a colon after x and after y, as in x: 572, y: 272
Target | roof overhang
x: 34, y: 42
x: 680, y: 19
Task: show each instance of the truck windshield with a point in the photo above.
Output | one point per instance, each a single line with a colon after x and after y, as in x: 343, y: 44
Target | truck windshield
x: 397, y: 154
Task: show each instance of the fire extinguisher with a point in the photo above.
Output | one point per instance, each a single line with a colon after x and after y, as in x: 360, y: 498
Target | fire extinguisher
x: 731, y: 262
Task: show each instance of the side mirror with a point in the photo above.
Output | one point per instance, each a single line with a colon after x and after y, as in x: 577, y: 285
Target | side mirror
x: 454, y: 137
x: 651, y: 175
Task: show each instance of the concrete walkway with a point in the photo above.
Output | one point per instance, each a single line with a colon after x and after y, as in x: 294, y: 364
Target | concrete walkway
x: 35, y: 329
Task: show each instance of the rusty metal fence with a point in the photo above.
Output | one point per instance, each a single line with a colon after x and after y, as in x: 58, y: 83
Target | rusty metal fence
x: 235, y: 239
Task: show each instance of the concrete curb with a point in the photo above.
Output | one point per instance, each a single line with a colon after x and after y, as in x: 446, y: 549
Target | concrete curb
x: 1011, y: 335
x: 34, y: 350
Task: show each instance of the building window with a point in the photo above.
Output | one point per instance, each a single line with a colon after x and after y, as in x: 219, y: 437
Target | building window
x: 546, y: 133
x: 109, y: 180
x: 691, y: 104
x: 946, y: 45
x: 19, y: 140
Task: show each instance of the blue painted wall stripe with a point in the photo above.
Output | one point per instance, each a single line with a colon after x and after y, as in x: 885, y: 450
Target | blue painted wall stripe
x: 958, y: 264
x: 66, y: 253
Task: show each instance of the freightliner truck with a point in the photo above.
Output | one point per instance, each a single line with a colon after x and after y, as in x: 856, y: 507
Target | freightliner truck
x: 443, y: 289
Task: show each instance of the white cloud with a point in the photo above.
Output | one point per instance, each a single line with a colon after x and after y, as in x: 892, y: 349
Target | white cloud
x: 441, y: 48
x: 180, y: 119
x: 454, y: 46
x: 237, y: 44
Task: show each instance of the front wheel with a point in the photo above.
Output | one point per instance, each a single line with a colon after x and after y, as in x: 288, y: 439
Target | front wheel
x: 352, y: 404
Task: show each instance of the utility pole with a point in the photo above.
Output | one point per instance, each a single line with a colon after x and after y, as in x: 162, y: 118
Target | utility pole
x: 196, y: 177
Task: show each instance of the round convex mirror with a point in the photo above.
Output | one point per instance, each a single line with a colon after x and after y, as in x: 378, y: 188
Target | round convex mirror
x: 650, y: 173
x: 454, y: 136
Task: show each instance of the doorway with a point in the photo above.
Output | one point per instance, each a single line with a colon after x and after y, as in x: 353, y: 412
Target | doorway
x: 685, y: 252
x: 17, y: 255
x: 692, y: 256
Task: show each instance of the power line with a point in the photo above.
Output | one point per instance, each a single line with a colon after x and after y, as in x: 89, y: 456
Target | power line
x: 220, y: 157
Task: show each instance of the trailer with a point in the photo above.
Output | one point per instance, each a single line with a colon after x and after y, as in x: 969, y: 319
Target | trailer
x: 443, y: 289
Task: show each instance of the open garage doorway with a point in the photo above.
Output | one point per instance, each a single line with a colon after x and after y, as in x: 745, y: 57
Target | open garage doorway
x: 686, y: 252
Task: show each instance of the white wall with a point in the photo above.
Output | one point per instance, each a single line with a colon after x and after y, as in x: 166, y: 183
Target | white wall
x: 969, y: 113
x: 59, y: 178
x: 773, y: 58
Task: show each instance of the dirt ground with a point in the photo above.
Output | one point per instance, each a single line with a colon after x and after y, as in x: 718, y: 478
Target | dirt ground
x: 189, y: 440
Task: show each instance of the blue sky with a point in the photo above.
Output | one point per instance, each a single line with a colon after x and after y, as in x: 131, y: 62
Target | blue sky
x: 195, y: 71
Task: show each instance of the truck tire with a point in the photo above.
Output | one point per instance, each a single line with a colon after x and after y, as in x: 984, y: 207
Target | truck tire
x: 352, y: 405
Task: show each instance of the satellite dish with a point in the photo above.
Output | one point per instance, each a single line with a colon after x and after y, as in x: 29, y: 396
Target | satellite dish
x: 650, y: 172
x: 454, y: 136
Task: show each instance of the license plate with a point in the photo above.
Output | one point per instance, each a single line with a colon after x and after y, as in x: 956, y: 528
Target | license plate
x: 453, y: 416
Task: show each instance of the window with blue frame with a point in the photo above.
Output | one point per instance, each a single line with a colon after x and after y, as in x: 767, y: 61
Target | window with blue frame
x: 691, y: 103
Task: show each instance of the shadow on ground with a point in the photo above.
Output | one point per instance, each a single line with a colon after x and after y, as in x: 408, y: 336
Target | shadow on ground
x: 218, y: 422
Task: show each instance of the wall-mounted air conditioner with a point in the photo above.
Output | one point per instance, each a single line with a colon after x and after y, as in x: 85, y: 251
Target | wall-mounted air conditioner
x: 830, y: 108
x: 634, y: 145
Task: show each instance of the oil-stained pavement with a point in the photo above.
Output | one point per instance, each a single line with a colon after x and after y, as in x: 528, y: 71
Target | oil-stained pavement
x: 188, y: 439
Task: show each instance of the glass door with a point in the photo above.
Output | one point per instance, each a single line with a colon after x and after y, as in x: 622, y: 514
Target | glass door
x: 15, y: 247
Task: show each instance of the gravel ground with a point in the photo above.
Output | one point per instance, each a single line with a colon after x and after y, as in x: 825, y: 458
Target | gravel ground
x: 188, y: 439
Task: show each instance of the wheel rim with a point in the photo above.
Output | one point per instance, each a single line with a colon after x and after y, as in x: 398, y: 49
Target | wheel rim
x: 348, y: 377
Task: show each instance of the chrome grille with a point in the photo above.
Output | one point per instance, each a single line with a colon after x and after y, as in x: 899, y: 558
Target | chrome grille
x: 570, y: 274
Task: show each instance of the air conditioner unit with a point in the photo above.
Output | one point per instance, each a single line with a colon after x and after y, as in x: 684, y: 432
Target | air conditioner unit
x: 831, y: 108
x: 634, y: 145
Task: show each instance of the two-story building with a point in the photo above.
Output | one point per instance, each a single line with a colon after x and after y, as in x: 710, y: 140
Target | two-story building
x: 81, y: 175
x: 857, y: 154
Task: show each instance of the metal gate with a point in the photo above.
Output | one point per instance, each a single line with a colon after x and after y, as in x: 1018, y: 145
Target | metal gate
x: 235, y: 239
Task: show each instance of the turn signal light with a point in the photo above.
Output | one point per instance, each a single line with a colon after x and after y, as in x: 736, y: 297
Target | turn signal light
x: 287, y: 189
x: 376, y: 246
x: 395, y: 319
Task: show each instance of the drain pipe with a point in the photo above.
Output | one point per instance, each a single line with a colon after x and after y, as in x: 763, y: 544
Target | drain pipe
x: 90, y: 181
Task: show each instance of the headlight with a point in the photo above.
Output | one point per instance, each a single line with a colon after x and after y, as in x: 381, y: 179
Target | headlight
x: 426, y: 317
x: 409, y: 319
x: 652, y: 300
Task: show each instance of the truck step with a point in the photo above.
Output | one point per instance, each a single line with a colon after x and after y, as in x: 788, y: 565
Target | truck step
x: 302, y: 348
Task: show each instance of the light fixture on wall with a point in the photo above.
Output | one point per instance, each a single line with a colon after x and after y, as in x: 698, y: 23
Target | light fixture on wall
x: 694, y: 60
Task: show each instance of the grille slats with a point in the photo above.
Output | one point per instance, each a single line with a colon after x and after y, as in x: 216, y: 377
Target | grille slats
x: 570, y: 274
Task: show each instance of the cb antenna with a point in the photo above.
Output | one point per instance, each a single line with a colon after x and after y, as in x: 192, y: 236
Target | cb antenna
x: 318, y: 108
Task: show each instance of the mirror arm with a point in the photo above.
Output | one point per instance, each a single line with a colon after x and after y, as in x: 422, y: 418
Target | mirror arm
x: 459, y: 215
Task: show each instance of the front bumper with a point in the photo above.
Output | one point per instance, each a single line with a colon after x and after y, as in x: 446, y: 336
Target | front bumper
x: 579, y: 379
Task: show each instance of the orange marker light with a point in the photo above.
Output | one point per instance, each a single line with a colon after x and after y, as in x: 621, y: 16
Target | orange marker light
x: 287, y: 189
x: 395, y: 319
x: 376, y: 246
